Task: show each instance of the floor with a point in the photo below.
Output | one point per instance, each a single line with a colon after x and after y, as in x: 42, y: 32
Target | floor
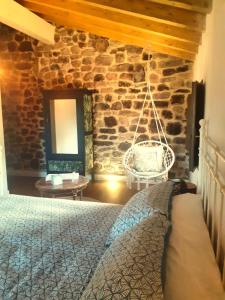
x: 102, y: 191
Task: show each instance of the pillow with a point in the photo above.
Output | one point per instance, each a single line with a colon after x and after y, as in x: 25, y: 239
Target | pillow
x: 142, y: 205
x: 148, y: 159
x: 131, y: 267
x: 160, y: 196
x: 191, y: 269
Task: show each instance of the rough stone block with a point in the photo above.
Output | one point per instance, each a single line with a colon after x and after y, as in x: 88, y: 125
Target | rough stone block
x: 110, y: 121
x: 25, y: 46
x: 124, y: 146
x: 139, y: 130
x: 182, y: 69
x: 103, y: 143
x: 87, y: 60
x: 127, y: 103
x: 133, y: 50
x: 169, y: 72
x: 177, y: 99
x: 127, y: 76
x: 104, y: 60
x: 153, y: 127
x: 99, y: 77
x: 103, y: 137
x: 116, y: 106
x: 160, y: 104
x: 170, y: 63
x: 122, y: 129
x: 146, y: 56
x: 137, y: 104
x: 134, y: 91
x: 111, y: 76
x: 120, y: 91
x: 167, y: 114
x: 185, y: 91
x: 124, y: 84
x: 128, y: 113
x: 162, y: 87
x: 120, y: 57
x: 100, y: 44
x: 122, y: 68
x: 142, y: 138
x: 102, y: 106
x: 174, y: 128
x: 113, y: 137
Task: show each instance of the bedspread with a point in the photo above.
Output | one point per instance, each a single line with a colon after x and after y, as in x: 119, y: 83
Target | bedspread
x: 49, y: 248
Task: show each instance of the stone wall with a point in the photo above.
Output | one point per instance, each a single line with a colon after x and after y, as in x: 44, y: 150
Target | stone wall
x: 115, y: 71
x: 22, y: 106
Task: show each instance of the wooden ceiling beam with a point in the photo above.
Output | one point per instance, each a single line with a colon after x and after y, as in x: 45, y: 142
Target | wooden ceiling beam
x: 15, y: 15
x: 153, y: 11
x: 151, y: 27
x: 143, y: 9
x: 107, y: 21
x: 118, y: 35
x: 200, y: 6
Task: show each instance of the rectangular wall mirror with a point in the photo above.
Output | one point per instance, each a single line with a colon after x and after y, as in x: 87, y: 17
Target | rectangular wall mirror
x: 63, y: 116
x: 68, y: 130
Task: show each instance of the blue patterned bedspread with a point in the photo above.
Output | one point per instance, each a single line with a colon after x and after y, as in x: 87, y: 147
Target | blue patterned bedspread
x: 49, y: 248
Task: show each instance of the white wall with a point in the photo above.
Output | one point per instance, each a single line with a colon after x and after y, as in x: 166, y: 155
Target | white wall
x: 210, y: 67
x: 3, y: 174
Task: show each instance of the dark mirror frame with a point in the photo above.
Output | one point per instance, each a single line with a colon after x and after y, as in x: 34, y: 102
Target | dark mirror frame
x: 50, y: 95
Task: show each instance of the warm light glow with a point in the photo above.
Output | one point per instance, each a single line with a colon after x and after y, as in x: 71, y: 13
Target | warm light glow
x: 112, y: 183
x: 1, y: 73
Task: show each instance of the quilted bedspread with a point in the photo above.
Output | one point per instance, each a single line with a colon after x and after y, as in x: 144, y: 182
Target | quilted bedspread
x: 49, y: 248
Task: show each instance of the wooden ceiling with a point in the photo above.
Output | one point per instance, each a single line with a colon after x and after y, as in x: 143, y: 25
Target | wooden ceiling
x: 168, y: 26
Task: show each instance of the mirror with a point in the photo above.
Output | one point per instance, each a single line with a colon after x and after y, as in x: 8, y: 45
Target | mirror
x: 63, y: 114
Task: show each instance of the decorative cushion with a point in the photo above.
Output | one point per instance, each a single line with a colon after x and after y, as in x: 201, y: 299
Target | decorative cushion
x: 131, y: 266
x: 160, y: 196
x: 142, y: 205
x: 147, y: 159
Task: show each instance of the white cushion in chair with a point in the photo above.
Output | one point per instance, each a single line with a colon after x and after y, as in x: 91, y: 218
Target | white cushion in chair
x: 148, y: 159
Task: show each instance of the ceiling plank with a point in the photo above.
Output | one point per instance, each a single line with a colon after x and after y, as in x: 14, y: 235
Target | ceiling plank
x: 107, y: 21
x: 119, y: 36
x: 200, y: 6
x: 158, y: 28
x: 152, y: 11
x: 146, y: 9
x: 20, y: 18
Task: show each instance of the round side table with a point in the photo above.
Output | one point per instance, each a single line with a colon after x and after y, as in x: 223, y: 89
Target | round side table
x: 68, y: 187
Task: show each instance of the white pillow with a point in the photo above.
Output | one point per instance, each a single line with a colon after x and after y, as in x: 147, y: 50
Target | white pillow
x: 191, y: 269
x: 148, y: 159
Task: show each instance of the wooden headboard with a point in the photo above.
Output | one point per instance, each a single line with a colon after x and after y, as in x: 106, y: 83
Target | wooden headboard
x: 211, y: 185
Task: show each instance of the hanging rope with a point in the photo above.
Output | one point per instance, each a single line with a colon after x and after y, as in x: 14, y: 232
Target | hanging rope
x: 155, y: 163
x: 158, y: 122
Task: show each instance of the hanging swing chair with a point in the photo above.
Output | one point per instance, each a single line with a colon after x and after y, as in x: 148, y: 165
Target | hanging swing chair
x: 148, y: 161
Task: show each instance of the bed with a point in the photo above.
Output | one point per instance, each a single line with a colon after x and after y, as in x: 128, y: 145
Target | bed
x: 50, y: 247
x: 157, y: 246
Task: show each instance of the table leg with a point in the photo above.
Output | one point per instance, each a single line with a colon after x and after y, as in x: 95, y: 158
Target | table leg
x: 74, y: 193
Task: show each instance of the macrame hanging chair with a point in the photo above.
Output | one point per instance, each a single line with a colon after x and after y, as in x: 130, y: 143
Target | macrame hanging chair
x: 148, y: 161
